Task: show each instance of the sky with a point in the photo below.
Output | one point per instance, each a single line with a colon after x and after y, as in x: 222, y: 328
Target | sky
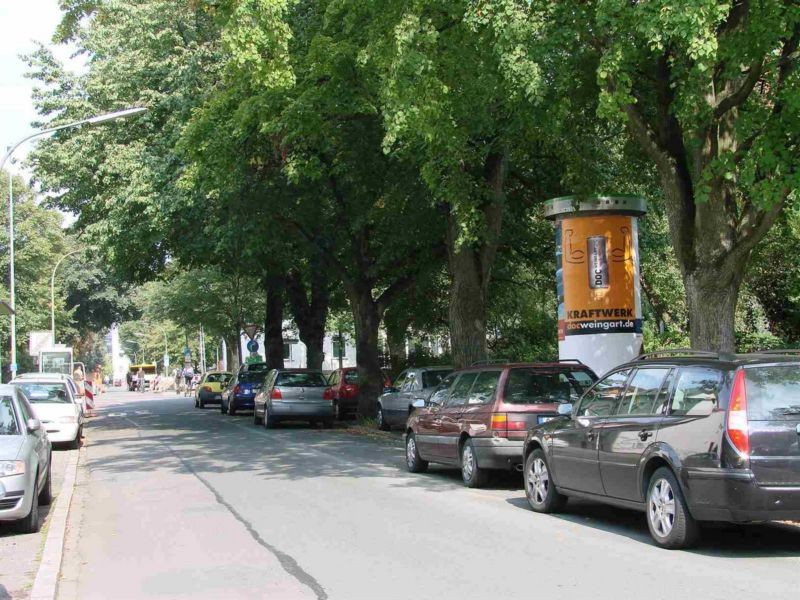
x: 22, y: 22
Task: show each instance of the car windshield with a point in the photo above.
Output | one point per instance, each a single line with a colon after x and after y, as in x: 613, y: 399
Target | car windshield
x: 433, y: 378
x: 37, y: 392
x: 301, y: 380
x: 249, y: 377
x: 8, y: 422
x: 257, y: 368
x: 532, y: 386
x: 773, y: 393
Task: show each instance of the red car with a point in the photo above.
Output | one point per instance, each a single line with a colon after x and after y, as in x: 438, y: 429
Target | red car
x: 344, y: 388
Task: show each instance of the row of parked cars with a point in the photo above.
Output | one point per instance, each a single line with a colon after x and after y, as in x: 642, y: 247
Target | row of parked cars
x: 685, y: 437
x: 37, y: 410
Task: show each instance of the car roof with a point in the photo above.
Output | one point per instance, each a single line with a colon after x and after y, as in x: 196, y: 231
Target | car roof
x: 42, y: 376
x: 564, y: 365
x: 6, y: 389
x: 36, y: 380
x: 435, y: 368
x: 723, y: 361
x: 298, y: 370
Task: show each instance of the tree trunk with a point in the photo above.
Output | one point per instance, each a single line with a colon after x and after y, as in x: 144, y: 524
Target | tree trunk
x: 396, y: 329
x: 370, y: 384
x: 273, y: 323
x: 234, y: 362
x: 314, y: 354
x: 471, y: 269
x: 711, y: 304
x: 310, y: 314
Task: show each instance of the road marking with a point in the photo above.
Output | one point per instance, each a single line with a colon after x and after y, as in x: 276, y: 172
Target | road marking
x: 122, y: 414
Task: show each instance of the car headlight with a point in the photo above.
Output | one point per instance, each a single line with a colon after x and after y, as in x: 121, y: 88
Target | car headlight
x: 12, y: 467
x: 68, y: 419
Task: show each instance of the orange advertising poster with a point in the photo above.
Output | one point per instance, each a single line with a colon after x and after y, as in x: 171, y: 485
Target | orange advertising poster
x: 597, y: 275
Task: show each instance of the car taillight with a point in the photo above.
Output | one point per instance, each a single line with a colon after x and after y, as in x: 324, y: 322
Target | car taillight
x: 500, y: 424
x: 206, y: 388
x: 237, y: 389
x: 327, y: 394
x: 350, y: 390
x: 737, y: 415
x: 276, y: 394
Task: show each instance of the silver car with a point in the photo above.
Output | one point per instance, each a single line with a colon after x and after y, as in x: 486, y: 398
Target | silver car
x: 412, y: 388
x: 24, y: 461
x: 294, y: 395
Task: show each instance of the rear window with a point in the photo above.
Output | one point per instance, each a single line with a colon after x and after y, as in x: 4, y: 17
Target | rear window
x: 433, y: 378
x: 301, y: 380
x: 8, y: 422
x: 532, y: 386
x: 773, y: 393
x: 249, y: 377
x: 216, y: 377
x: 351, y: 377
x: 257, y: 368
x: 44, y: 392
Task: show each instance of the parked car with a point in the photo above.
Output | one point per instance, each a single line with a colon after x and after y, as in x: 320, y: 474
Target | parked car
x: 73, y: 386
x: 477, y: 418
x: 209, y: 390
x: 241, y: 390
x: 25, y: 465
x: 684, y: 437
x: 412, y: 385
x: 60, y: 413
x: 294, y: 395
x: 344, y: 388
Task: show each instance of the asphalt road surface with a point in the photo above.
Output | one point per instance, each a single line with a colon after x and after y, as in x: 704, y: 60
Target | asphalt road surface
x: 176, y: 502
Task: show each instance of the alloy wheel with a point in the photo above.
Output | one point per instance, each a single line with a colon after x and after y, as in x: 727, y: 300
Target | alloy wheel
x: 467, y: 462
x: 411, y: 451
x: 538, y: 481
x: 661, y: 508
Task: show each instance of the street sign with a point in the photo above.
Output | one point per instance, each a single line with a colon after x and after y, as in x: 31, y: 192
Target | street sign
x: 252, y: 346
x: 253, y: 358
x: 251, y: 330
x: 186, y: 352
x: 38, y: 341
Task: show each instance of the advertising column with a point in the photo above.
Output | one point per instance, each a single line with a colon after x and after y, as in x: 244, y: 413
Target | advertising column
x: 597, y: 278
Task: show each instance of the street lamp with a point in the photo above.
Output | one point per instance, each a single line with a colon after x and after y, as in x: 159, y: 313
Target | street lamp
x: 120, y: 114
x: 53, y: 296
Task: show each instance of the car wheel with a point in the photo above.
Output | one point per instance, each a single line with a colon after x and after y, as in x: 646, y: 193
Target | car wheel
x: 46, y: 495
x: 471, y: 473
x: 223, y: 408
x: 539, y: 487
x: 269, y: 420
x: 382, y: 424
x: 670, y: 523
x: 200, y: 403
x: 232, y: 407
x: 327, y: 423
x: 414, y: 461
x: 76, y: 443
x: 30, y: 524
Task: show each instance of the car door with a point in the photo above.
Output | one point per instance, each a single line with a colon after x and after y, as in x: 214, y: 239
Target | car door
x: 429, y: 418
x: 38, y: 437
x: 575, y: 442
x: 626, y: 436
x: 391, y: 401
x: 449, y: 424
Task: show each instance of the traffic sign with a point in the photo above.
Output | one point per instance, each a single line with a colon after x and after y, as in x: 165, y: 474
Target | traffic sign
x: 251, y: 330
x: 252, y: 346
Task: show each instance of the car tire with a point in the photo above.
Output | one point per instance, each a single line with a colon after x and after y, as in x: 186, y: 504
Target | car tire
x: 382, y: 424
x: 30, y: 523
x: 472, y: 475
x: 76, y: 443
x: 327, y: 423
x: 232, y: 408
x: 223, y: 408
x: 540, y: 490
x: 414, y: 462
x: 46, y: 495
x: 200, y: 403
x: 670, y: 523
x: 269, y: 420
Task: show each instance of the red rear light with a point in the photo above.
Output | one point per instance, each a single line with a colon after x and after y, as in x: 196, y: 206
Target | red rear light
x: 737, y: 415
x: 207, y: 388
x: 350, y: 390
x: 500, y: 424
x: 237, y: 389
x: 520, y: 425
x: 327, y: 394
x: 276, y: 394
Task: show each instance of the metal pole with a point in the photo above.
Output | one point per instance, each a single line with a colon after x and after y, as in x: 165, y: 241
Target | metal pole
x: 11, y: 288
x: 53, y: 295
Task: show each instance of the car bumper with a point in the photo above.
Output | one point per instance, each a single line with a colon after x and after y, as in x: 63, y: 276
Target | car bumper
x: 302, y: 410
x: 734, y: 495
x: 210, y: 397
x: 15, y: 497
x: 61, y: 432
x: 243, y: 401
x: 498, y: 453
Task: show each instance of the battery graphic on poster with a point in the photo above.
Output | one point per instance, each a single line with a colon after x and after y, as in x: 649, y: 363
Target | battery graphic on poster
x: 597, y: 279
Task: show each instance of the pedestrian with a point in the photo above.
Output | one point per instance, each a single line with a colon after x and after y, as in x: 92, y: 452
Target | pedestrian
x: 77, y: 375
x: 129, y: 380
x: 157, y: 383
x: 98, y: 381
x: 188, y: 373
x: 140, y: 379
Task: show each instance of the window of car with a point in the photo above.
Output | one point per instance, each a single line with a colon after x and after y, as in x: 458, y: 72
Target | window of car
x: 8, y: 419
x: 601, y: 400
x: 460, y: 391
x: 410, y: 382
x: 696, y: 391
x: 351, y: 377
x: 333, y: 378
x: 442, y: 391
x: 300, y: 380
x: 400, y: 381
x: 484, y: 388
x: 773, y: 392
x: 216, y: 377
x: 642, y: 394
x: 25, y: 408
x: 535, y: 386
x: 433, y: 378
x: 252, y: 377
x: 37, y: 392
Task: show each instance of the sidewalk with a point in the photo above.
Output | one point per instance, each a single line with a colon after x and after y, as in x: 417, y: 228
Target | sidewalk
x: 20, y: 554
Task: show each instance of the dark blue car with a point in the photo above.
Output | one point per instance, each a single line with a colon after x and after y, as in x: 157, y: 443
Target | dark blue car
x: 241, y: 390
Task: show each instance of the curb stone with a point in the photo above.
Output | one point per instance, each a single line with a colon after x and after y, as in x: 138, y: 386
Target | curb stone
x: 46, y: 582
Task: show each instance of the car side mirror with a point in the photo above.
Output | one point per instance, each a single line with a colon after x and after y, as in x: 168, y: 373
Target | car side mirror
x: 33, y: 425
x: 418, y: 403
x: 565, y: 410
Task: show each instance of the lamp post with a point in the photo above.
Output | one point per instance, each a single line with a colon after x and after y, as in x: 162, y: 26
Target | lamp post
x: 120, y: 114
x: 53, y: 295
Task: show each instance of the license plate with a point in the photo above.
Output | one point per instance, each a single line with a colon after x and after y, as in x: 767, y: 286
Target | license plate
x: 545, y: 419
x: 217, y: 396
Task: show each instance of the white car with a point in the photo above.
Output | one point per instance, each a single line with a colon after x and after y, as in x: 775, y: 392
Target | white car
x: 60, y: 413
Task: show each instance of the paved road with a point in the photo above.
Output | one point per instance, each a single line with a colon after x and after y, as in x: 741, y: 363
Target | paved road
x: 183, y: 503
